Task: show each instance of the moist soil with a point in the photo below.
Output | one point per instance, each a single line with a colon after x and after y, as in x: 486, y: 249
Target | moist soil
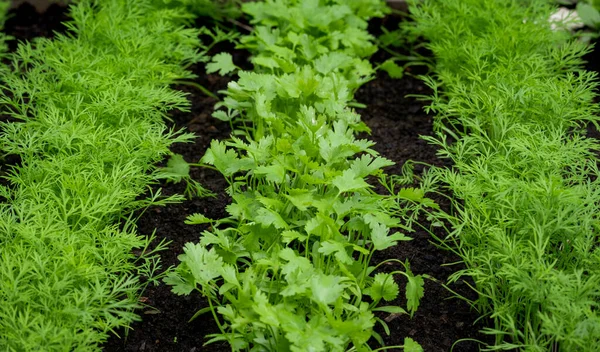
x: 396, y: 123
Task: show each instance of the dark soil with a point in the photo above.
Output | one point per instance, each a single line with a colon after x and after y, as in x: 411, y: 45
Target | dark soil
x: 396, y: 123
x: 25, y: 23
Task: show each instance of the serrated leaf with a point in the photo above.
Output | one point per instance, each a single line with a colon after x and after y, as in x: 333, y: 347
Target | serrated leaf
x: 225, y: 160
x: 383, y: 286
x: 221, y: 115
x: 273, y: 173
x: 392, y: 69
x: 382, y: 239
x: 222, y: 62
x: 349, y: 181
x: 290, y: 235
x: 411, y: 345
x: 300, y: 198
x: 267, y: 217
x: 205, y: 265
x: 338, y: 248
x: 414, y: 292
x: 197, y: 219
x: 367, y: 165
x: 326, y: 289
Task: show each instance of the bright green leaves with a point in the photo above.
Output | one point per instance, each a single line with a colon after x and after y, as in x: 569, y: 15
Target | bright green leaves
x: 381, y: 238
x: 304, y: 221
x: 414, y: 291
x: 524, y: 176
x: 392, y: 68
x: 225, y: 160
x: 90, y: 106
x: 383, y: 287
x: 411, y: 345
x: 339, y: 30
x: 223, y: 63
x: 349, y: 181
x: 326, y: 289
x: 267, y: 217
x: 366, y: 165
x: 199, y: 266
x: 338, y: 249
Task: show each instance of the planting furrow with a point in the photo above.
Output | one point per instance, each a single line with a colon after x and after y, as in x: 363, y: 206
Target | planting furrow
x: 511, y: 93
x: 89, y: 108
x: 289, y: 269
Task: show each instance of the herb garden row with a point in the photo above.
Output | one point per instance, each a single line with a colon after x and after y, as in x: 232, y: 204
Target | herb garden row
x: 299, y: 175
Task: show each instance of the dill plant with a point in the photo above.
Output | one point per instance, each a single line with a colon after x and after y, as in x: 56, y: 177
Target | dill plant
x: 290, y: 268
x: 511, y: 102
x: 88, y: 109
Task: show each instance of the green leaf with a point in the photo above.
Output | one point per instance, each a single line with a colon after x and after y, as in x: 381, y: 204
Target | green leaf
x: 367, y: 165
x: 290, y: 235
x: 411, y: 345
x: 222, y: 115
x: 414, y: 292
x: 588, y: 14
x: 267, y: 217
x: 205, y: 265
x: 381, y: 238
x: 273, y: 173
x: 326, y: 289
x: 391, y: 310
x: 383, y: 286
x: 225, y: 160
x: 338, y: 248
x: 392, y: 69
x: 349, y: 181
x: 222, y: 62
x: 177, y: 168
x: 300, y: 198
x: 331, y: 61
x: 197, y: 219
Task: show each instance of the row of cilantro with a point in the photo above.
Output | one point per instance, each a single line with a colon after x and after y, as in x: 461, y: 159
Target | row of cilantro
x: 289, y: 269
x: 512, y: 102
x: 89, y: 108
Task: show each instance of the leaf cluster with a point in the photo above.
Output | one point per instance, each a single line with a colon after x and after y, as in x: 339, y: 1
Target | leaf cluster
x: 512, y: 103
x: 87, y: 114
x: 290, y: 268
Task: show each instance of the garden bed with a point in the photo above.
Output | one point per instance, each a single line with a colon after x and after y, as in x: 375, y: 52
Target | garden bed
x: 396, y: 123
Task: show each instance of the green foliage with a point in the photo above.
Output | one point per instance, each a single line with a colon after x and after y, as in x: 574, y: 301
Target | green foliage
x: 511, y: 94
x: 330, y: 34
x: 289, y: 269
x: 392, y: 68
x: 589, y: 14
x: 217, y: 9
x: 89, y: 108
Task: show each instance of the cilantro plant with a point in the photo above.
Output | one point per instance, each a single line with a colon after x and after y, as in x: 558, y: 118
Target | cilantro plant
x: 512, y: 101
x: 290, y: 268
x: 88, y: 108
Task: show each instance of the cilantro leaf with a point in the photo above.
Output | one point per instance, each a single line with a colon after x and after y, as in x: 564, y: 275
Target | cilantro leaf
x: 414, y: 291
x: 267, y: 217
x: 411, y: 345
x: 222, y: 62
x: 349, y: 181
x: 197, y: 219
x: 392, y: 69
x: 326, y: 289
x: 338, y: 248
x: 381, y: 238
x: 383, y: 286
